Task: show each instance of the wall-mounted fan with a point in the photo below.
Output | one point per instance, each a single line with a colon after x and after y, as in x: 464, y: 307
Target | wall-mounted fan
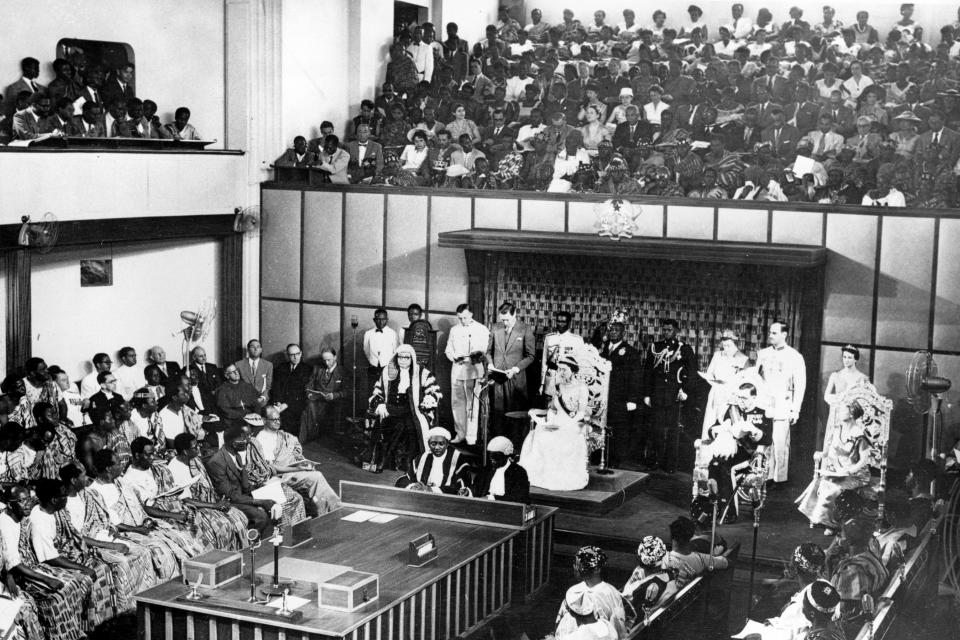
x: 246, y: 219
x: 924, y: 387
x: 198, y: 323
x: 41, y: 235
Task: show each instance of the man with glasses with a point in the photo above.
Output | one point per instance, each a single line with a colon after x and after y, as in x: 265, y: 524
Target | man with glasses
x: 89, y: 385
x: 107, y: 399
x: 284, y: 453
x: 290, y: 388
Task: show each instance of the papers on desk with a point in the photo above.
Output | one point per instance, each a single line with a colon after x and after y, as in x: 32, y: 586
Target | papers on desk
x: 9, y: 609
x: 359, y: 516
x: 369, y: 516
x: 293, y: 602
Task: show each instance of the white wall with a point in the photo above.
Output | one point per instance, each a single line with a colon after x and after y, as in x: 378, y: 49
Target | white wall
x: 178, y: 47
x: 151, y: 285
x: 931, y: 15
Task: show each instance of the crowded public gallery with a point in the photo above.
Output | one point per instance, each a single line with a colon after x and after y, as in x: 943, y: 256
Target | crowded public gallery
x: 507, y: 319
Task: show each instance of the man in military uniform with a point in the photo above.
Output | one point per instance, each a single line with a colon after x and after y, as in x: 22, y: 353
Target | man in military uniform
x: 623, y: 395
x: 557, y: 345
x: 785, y: 374
x: 670, y: 368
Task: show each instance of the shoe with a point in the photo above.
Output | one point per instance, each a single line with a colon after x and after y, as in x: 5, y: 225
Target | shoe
x: 731, y: 518
x: 458, y: 440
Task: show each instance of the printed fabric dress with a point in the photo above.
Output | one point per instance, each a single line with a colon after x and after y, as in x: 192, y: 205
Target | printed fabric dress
x: 554, y: 454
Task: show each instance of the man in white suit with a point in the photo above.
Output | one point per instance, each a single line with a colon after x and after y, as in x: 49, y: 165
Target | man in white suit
x: 785, y: 374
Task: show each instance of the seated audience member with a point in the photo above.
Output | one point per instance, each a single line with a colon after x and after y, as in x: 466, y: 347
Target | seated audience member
x: 89, y: 384
x: 414, y: 155
x: 370, y: 116
x: 70, y: 403
x: 129, y: 377
x: 440, y: 469
x: 60, y: 442
x: 701, y: 512
x: 107, y: 398
x: 687, y: 563
x: 156, y: 355
x: 112, y: 496
x: 463, y: 160
x: 236, y: 398
x: 366, y: 155
x: 325, y: 394
x: 502, y: 478
x: 54, y: 595
x: 180, y: 129
x: 462, y: 125
x: 29, y: 123
x: 332, y: 161
x: 298, y: 156
x: 210, y: 375
x: 177, y: 416
x: 261, y: 473
x: 895, y: 534
x: 284, y: 455
x: 145, y: 416
x: 580, y: 617
x: 90, y: 123
x: 920, y: 482
x: 231, y: 479
x: 131, y: 566
x: 55, y: 542
x: 140, y: 125
x: 120, y: 86
x: 649, y: 586
x: 588, y: 564
x: 105, y: 434
x: 857, y: 570
x: 60, y: 122
x: 116, y: 121
x: 810, y: 613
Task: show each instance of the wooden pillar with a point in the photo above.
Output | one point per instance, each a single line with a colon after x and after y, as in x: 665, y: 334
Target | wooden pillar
x: 231, y: 297
x: 18, y: 265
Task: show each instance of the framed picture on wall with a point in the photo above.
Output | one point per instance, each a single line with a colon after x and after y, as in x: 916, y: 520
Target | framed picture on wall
x: 96, y: 273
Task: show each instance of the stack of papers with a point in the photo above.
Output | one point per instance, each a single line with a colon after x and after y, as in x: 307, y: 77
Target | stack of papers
x: 369, y: 516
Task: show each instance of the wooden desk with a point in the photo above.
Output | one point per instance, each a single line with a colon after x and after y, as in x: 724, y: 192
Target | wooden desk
x: 473, y: 578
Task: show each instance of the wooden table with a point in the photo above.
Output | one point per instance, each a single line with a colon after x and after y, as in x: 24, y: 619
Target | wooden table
x: 473, y: 577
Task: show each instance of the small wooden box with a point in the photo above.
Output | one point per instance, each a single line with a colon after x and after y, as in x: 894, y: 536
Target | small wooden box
x: 348, y: 591
x: 216, y: 568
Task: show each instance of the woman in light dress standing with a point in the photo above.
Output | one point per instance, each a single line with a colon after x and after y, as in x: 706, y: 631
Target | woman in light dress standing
x: 724, y: 370
x: 839, y: 381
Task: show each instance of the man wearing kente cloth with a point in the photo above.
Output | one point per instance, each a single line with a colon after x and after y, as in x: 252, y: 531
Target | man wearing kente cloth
x: 558, y: 344
x: 670, y: 367
x: 440, y: 469
x: 785, y: 375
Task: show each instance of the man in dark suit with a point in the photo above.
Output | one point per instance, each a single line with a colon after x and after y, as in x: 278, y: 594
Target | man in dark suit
x: 913, y: 104
x: 256, y: 371
x: 744, y: 136
x: 65, y: 84
x: 325, y: 394
x: 690, y: 115
x: 210, y: 375
x: 156, y: 355
x: 629, y: 133
x: 669, y: 372
x: 511, y: 350
x: 298, y: 156
x: 803, y: 112
x: 91, y: 89
x: 502, y: 478
x: 229, y: 478
x: 497, y: 139
x: 775, y: 84
x: 626, y: 444
x: 948, y: 139
x: 120, y: 87
x: 366, y: 155
x: 844, y: 120
x: 764, y: 105
x: 290, y: 388
x: 61, y: 119
x: 107, y: 399
x: 782, y: 137
x: 30, y: 70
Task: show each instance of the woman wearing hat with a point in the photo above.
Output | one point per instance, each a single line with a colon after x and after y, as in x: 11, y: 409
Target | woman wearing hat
x: 579, y: 619
x: 554, y: 453
x: 649, y: 586
x: 618, y: 115
x: 906, y: 135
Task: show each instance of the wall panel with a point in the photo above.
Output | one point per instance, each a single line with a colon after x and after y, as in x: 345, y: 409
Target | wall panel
x: 406, y: 261
x: 797, y: 227
x: 322, y: 245
x: 848, y: 303
x: 320, y: 328
x: 363, y: 249
x: 279, y: 326
x: 903, y: 297
x: 690, y: 222
x: 448, y: 267
x: 542, y: 215
x: 280, y: 244
x: 495, y: 213
x: 742, y: 226
x: 946, y: 328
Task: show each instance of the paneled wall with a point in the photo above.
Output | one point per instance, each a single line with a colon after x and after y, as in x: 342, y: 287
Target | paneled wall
x: 891, y: 279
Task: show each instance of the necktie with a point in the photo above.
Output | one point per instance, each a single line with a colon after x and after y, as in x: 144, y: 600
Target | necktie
x: 33, y: 86
x: 93, y: 92
x: 820, y: 145
x: 936, y: 138
x: 776, y: 139
x: 693, y: 113
x: 123, y: 87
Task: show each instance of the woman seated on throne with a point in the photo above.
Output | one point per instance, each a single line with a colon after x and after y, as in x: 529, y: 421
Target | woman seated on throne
x: 844, y: 464
x: 554, y: 453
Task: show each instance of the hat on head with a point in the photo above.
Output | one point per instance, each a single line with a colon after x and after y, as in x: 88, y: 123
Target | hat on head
x: 619, y: 315
x: 822, y: 596
x: 438, y: 432
x: 571, y: 362
x: 729, y: 334
x: 579, y: 600
x: 809, y: 557
x: 500, y: 444
x: 253, y: 419
x: 651, y: 550
x: 590, y: 558
x: 908, y: 115
x: 626, y: 91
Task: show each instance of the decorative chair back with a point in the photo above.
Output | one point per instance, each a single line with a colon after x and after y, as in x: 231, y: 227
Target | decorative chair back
x: 421, y: 336
x: 595, y: 374
x: 876, y: 419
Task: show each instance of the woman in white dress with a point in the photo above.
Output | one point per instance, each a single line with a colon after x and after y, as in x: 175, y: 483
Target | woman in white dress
x: 725, y: 366
x: 840, y: 381
x: 554, y: 454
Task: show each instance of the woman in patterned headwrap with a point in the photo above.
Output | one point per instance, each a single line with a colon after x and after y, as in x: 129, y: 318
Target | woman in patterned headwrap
x: 650, y: 585
x: 663, y: 184
x: 508, y: 170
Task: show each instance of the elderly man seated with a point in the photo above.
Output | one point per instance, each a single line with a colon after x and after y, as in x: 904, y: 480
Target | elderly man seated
x: 284, y: 454
x: 439, y: 469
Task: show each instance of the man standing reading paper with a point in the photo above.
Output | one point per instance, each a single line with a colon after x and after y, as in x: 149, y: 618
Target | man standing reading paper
x: 510, y: 352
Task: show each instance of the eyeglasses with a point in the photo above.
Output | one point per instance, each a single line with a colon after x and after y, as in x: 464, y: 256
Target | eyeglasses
x: 271, y: 419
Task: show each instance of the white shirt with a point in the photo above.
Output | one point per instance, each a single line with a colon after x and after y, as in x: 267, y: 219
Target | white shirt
x: 497, y: 482
x: 76, y: 510
x: 379, y: 346
x: 43, y: 533
x: 181, y: 476
x: 73, y: 401
x: 653, y: 111
x: 111, y: 495
x: 129, y: 379
x: 517, y: 87
x: 463, y: 341
x: 172, y: 423
x: 740, y: 28
x: 435, y: 480
x: 195, y: 394
x: 142, y: 482
x: 89, y: 384
x: 411, y: 158
x: 268, y: 444
x: 855, y: 88
x: 527, y: 132
x: 10, y: 534
x: 422, y: 55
